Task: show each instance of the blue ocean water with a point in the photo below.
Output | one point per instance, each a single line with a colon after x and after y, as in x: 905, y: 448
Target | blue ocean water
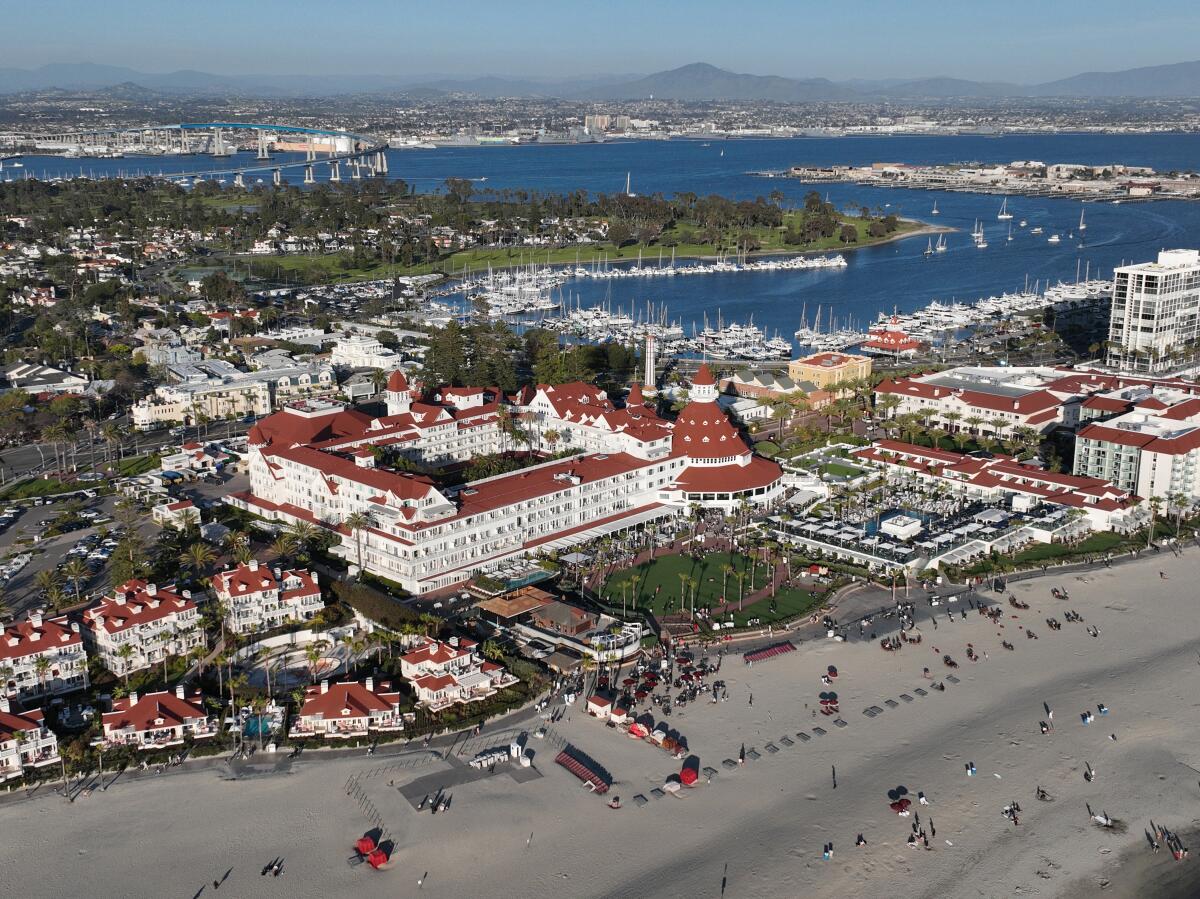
x: 877, y: 279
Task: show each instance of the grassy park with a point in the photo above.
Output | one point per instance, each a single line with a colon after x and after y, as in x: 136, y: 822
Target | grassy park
x: 659, y: 585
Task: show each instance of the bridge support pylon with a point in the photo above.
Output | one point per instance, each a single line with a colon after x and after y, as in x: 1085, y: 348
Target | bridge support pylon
x: 263, y: 152
x: 381, y: 165
x: 335, y: 172
x: 308, y: 175
x: 277, y: 177
x: 238, y: 180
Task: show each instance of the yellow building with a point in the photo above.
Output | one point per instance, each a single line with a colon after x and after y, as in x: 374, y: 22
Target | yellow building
x: 824, y: 370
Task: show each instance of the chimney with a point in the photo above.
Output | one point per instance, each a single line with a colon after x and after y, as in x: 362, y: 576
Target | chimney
x: 133, y: 698
x: 152, y: 589
x: 370, y: 685
x: 186, y: 594
x: 278, y: 575
x: 253, y: 564
x: 179, y: 691
x: 35, y: 617
x: 4, y: 706
x: 75, y: 626
x: 325, y: 685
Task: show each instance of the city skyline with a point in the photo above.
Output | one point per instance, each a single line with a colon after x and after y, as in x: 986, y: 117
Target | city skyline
x: 924, y: 39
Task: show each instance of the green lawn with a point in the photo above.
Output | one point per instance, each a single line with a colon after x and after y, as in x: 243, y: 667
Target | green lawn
x: 136, y: 465
x: 789, y: 603
x: 665, y: 572
x: 1101, y: 542
x: 838, y: 470
x: 40, y: 487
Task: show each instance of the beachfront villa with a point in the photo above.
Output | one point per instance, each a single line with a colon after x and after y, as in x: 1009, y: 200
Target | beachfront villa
x: 260, y: 598
x: 152, y: 621
x: 156, y: 720
x: 314, y: 462
x: 443, y: 674
x: 348, y: 709
x: 25, y: 741
x: 42, y: 657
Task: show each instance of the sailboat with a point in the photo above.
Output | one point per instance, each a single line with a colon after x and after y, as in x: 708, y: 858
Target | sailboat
x: 941, y: 244
x: 1004, y: 215
x: 929, y: 247
x: 1082, y: 223
x: 935, y: 209
x: 1010, y: 230
x: 628, y: 192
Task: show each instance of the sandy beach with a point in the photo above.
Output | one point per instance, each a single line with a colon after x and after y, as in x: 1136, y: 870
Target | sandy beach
x: 757, y: 830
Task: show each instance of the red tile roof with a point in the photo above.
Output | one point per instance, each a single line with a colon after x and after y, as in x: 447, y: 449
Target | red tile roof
x: 12, y: 722
x: 131, y: 604
x: 704, y: 376
x: 703, y: 431
x: 760, y: 472
x: 349, y: 699
x: 153, y: 710
x: 396, y: 382
x: 22, y: 638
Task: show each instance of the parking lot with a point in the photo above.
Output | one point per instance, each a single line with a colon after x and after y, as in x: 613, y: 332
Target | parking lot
x: 85, y: 543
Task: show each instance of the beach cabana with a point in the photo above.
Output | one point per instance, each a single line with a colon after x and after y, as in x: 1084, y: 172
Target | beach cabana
x: 768, y: 652
x: 377, y: 859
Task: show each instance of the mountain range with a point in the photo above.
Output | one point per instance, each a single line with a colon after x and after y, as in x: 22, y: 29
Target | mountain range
x: 694, y: 82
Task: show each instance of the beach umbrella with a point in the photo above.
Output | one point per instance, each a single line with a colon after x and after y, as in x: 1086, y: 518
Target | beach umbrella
x: 832, y: 670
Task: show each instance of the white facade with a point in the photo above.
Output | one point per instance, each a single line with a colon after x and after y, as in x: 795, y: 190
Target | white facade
x: 260, y: 598
x: 1155, y: 321
x: 42, y: 657
x: 230, y: 396
x: 25, y: 741
x: 154, y: 622
x: 363, y: 351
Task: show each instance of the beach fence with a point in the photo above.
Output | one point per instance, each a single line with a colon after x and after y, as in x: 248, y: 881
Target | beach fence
x: 355, y: 791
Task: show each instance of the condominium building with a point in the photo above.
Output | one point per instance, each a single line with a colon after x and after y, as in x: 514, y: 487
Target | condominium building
x: 443, y: 674
x: 1155, y: 321
x: 140, y: 624
x: 1151, y: 449
x: 230, y: 395
x: 348, y: 709
x: 260, y: 598
x: 42, y: 657
x: 156, y: 720
x: 25, y: 741
x: 313, y: 462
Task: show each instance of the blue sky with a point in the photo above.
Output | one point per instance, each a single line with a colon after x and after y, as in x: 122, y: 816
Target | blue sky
x: 1013, y: 40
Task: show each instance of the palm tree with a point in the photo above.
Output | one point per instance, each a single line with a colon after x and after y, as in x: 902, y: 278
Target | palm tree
x: 726, y: 570
x: 951, y: 419
x: 76, y: 571
x: 302, y: 533
x: 41, y: 667
x: 999, y: 426
x: 973, y: 422
x: 125, y: 654
x: 1179, y: 503
x: 283, y: 547
x: 46, y: 580
x: 357, y: 522
x: 961, y: 439
x: 197, y: 558
x: 1155, y: 503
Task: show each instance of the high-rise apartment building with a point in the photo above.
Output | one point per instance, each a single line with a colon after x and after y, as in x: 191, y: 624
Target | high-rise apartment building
x: 1156, y: 313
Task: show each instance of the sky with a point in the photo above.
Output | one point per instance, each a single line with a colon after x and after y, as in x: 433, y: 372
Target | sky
x: 1023, y: 41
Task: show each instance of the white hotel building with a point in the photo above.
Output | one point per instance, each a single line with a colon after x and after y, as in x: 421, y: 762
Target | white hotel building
x: 311, y: 462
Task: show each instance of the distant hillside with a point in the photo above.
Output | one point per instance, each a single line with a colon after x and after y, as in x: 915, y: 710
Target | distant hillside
x: 1181, y: 79
x: 695, y: 82
x: 701, y: 81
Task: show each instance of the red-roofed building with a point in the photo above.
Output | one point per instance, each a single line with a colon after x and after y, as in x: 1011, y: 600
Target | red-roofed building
x: 176, y: 514
x: 1153, y: 449
x: 260, y: 598
x: 46, y: 657
x: 150, y: 620
x: 443, y: 674
x: 25, y: 741
x: 156, y: 720
x: 315, y: 464
x: 1000, y: 400
x: 890, y: 340
x: 348, y: 709
x: 1106, y: 506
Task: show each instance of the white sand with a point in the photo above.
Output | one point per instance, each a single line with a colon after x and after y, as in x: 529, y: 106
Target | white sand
x: 766, y: 821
